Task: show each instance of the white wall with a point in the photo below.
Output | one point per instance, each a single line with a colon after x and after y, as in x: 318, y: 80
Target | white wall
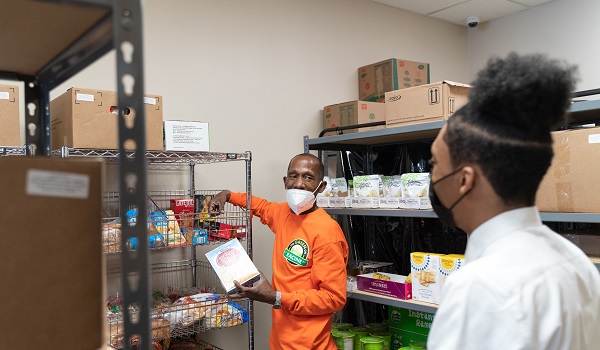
x: 563, y: 29
x: 260, y: 72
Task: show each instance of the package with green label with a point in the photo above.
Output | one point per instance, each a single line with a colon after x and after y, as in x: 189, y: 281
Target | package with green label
x: 367, y: 185
x: 418, y: 322
x: 416, y: 185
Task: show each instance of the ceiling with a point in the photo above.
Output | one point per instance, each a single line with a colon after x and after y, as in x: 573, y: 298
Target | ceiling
x: 457, y: 11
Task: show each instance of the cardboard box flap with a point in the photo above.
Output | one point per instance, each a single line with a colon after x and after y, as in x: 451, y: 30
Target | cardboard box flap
x: 453, y: 83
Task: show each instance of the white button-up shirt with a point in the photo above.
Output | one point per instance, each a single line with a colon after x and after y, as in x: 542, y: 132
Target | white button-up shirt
x: 523, y: 286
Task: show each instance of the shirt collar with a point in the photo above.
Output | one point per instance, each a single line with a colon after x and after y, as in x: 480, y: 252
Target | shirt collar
x: 498, y: 227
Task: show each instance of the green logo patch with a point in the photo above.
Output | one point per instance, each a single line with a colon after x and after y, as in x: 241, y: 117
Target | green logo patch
x: 297, y: 252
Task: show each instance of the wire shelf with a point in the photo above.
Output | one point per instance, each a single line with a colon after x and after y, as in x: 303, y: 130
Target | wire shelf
x: 13, y: 150
x: 169, y: 157
x: 168, y: 229
x: 175, y: 314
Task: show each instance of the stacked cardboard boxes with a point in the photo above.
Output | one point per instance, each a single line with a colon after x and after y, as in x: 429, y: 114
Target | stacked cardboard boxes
x: 374, y: 81
x: 87, y: 118
x: 10, y: 132
x: 566, y: 185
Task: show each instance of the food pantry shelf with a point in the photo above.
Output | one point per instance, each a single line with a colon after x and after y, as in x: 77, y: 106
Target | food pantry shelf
x: 13, y: 151
x: 545, y: 216
x: 168, y: 157
x: 380, y: 299
x: 174, y: 279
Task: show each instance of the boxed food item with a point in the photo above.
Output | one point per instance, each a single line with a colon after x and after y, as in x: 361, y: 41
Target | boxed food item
x: 187, y: 136
x: 231, y: 263
x: 376, y: 79
x: 87, y: 118
x: 449, y: 264
x: 10, y: 132
x: 425, y: 103
x: 183, y: 208
x: 364, y: 202
x: 418, y: 322
x: 322, y: 198
x: 387, y: 284
x: 52, y: 280
x: 402, y: 338
x: 566, y: 185
x: 424, y: 269
x: 352, y: 113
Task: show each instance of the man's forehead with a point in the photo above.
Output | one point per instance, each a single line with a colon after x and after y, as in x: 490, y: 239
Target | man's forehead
x: 304, y: 161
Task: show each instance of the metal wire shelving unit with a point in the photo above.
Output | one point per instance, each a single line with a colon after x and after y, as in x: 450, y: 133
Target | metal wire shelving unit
x: 190, y: 276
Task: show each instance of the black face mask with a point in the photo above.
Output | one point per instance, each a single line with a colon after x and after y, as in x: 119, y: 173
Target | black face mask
x: 445, y: 214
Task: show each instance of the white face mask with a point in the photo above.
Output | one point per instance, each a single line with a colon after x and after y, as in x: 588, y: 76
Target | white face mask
x: 300, y: 200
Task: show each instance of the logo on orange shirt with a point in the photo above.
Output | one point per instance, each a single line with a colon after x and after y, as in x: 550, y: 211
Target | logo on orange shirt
x: 296, y: 252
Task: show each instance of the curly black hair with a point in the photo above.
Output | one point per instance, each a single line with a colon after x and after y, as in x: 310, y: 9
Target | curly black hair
x: 505, y: 128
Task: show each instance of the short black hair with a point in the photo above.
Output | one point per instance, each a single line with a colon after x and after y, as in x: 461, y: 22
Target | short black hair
x: 505, y: 128
x: 320, y: 167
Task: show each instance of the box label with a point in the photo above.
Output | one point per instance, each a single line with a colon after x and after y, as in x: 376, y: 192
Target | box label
x: 4, y: 95
x: 594, y: 138
x: 149, y: 100
x: 57, y: 184
x: 84, y: 97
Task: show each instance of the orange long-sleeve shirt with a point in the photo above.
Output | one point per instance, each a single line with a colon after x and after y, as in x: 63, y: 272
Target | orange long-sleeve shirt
x: 309, y: 269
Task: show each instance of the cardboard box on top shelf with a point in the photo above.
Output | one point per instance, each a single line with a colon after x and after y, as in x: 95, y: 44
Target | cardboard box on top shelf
x: 566, y: 185
x: 374, y: 80
x: 426, y: 103
x: 352, y: 113
x: 53, y: 272
x: 10, y: 132
x: 87, y: 118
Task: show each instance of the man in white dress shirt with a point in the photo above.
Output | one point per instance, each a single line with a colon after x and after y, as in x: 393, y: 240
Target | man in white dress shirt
x: 523, y: 286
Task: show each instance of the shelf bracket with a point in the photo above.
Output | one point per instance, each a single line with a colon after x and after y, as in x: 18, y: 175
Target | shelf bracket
x: 135, y: 282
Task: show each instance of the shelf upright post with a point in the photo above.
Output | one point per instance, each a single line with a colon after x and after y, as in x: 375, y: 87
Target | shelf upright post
x: 37, y: 118
x: 193, y: 247
x: 135, y: 282
x: 249, y: 243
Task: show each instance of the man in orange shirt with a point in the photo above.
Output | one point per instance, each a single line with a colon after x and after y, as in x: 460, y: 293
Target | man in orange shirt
x: 309, y: 259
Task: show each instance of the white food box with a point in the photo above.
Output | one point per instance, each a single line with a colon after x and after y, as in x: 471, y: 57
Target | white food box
x: 365, y: 202
x: 337, y: 202
x: 231, y: 262
x: 426, y: 283
x: 322, y: 201
x: 392, y: 203
x: 187, y: 136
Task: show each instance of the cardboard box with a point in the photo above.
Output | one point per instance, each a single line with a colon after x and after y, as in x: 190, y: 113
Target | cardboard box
x: 231, y: 262
x: 449, y: 264
x: 424, y: 268
x: 183, y: 208
x: 418, y: 322
x: 87, y: 118
x: 187, y: 136
x: 402, y: 338
x: 566, y: 185
x: 426, y: 103
x: 52, y: 262
x: 352, y: 113
x: 376, y: 79
x: 394, y: 288
x: 10, y: 132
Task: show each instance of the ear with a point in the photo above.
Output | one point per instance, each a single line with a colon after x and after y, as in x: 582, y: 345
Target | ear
x: 284, y: 186
x: 322, y: 186
x: 467, y: 178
